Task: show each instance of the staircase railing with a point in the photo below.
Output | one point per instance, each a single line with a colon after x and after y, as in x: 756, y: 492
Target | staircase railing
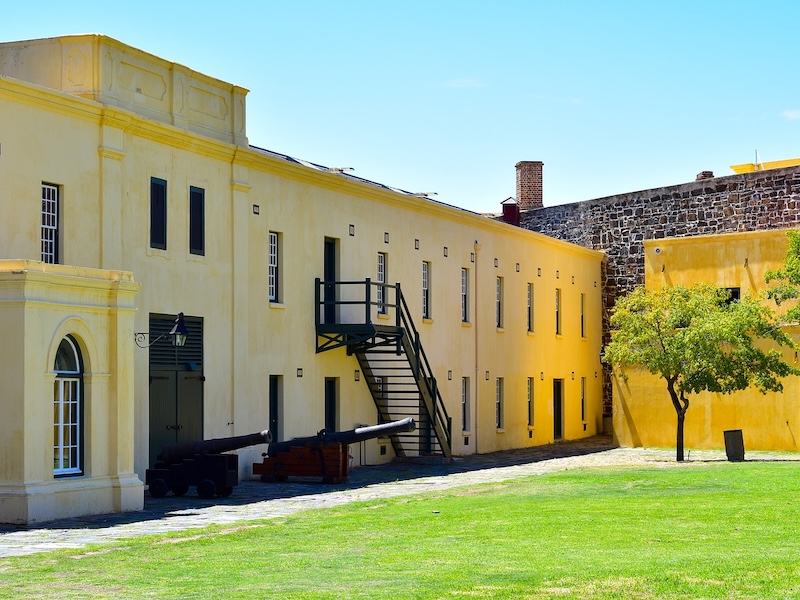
x: 424, y: 373
x: 340, y: 304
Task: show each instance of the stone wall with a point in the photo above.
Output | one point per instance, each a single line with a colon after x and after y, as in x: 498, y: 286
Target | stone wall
x: 618, y: 224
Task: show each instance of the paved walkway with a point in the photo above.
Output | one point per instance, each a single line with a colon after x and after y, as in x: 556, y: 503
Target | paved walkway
x: 255, y: 500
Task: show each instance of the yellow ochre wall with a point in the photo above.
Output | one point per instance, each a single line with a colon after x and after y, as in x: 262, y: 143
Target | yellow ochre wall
x: 643, y: 414
x: 39, y: 306
x: 102, y: 157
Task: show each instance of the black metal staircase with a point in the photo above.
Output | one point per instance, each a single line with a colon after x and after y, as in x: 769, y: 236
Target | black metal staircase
x: 372, y: 321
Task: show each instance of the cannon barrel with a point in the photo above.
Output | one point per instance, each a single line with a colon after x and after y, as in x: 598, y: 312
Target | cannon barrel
x: 174, y: 453
x: 346, y: 437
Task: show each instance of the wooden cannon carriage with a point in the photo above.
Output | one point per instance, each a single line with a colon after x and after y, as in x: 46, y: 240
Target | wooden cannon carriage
x: 324, y: 455
x: 201, y: 464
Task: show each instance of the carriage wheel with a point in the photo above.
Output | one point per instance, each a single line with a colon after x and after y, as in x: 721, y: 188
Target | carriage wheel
x: 206, y: 489
x: 158, y: 488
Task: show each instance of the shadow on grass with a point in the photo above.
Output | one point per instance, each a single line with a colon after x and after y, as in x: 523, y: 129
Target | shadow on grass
x: 252, y: 491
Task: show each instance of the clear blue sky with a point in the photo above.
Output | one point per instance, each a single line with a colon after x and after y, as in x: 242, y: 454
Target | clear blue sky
x: 447, y: 96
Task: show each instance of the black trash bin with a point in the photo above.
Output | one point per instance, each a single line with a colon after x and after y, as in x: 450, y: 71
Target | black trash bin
x: 734, y: 445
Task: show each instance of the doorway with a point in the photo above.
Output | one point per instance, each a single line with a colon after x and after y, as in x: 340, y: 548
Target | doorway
x: 558, y: 409
x: 176, y: 385
x: 331, y: 404
x: 275, y: 401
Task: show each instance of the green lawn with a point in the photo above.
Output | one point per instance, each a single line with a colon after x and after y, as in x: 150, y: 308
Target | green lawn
x: 721, y: 530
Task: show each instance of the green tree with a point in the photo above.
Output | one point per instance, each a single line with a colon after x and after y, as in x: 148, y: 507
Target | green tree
x: 786, y: 280
x: 698, y: 340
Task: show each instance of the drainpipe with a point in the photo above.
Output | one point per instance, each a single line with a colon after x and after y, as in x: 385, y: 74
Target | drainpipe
x: 477, y: 248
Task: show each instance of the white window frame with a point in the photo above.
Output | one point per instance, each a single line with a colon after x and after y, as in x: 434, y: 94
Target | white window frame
x: 464, y: 295
x: 381, y: 279
x: 465, y: 424
x: 67, y: 420
x: 426, y: 290
x: 274, y: 266
x: 50, y: 210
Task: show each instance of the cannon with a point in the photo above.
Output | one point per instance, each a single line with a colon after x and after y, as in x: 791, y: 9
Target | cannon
x: 201, y: 464
x: 324, y: 455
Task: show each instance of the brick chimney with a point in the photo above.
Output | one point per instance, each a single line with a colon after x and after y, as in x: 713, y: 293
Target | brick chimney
x: 529, y: 184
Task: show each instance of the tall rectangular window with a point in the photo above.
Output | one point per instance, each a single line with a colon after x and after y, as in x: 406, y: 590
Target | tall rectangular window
x: 274, y: 266
x: 426, y: 290
x: 158, y: 213
x: 68, y: 410
x: 465, y: 295
x: 382, y: 308
x: 530, y: 401
x: 583, y: 315
x: 465, y: 404
x: 50, y: 223
x: 530, y: 307
x: 583, y: 398
x: 197, y: 221
x: 498, y: 404
x: 66, y: 426
x: 558, y: 311
x: 499, y: 303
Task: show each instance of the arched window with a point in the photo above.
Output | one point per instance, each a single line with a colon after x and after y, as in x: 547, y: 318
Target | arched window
x: 68, y: 410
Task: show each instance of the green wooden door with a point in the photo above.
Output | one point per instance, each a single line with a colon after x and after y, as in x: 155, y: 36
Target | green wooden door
x: 176, y: 385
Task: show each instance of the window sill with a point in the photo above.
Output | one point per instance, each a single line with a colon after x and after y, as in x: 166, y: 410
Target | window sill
x: 531, y: 333
x: 427, y: 320
x: 466, y: 433
x: 67, y: 473
x: 501, y: 330
x: 384, y: 316
x: 466, y: 324
x: 157, y: 252
x: 500, y: 430
x: 278, y: 305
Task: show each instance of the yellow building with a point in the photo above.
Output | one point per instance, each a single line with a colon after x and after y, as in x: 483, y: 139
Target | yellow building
x: 137, y: 173
x: 643, y: 414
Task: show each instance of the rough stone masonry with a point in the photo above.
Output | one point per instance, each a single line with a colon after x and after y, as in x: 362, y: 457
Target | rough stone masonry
x: 619, y: 224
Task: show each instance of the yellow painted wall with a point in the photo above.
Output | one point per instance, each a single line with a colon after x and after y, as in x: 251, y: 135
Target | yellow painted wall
x: 100, y: 68
x: 765, y: 166
x: 642, y: 411
x: 39, y: 306
x: 246, y: 338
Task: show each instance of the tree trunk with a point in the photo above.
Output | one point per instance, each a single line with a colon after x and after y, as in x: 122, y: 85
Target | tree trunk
x: 681, y: 404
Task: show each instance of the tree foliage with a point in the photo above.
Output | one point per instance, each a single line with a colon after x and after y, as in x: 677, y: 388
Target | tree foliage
x: 698, y: 340
x: 786, y: 280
